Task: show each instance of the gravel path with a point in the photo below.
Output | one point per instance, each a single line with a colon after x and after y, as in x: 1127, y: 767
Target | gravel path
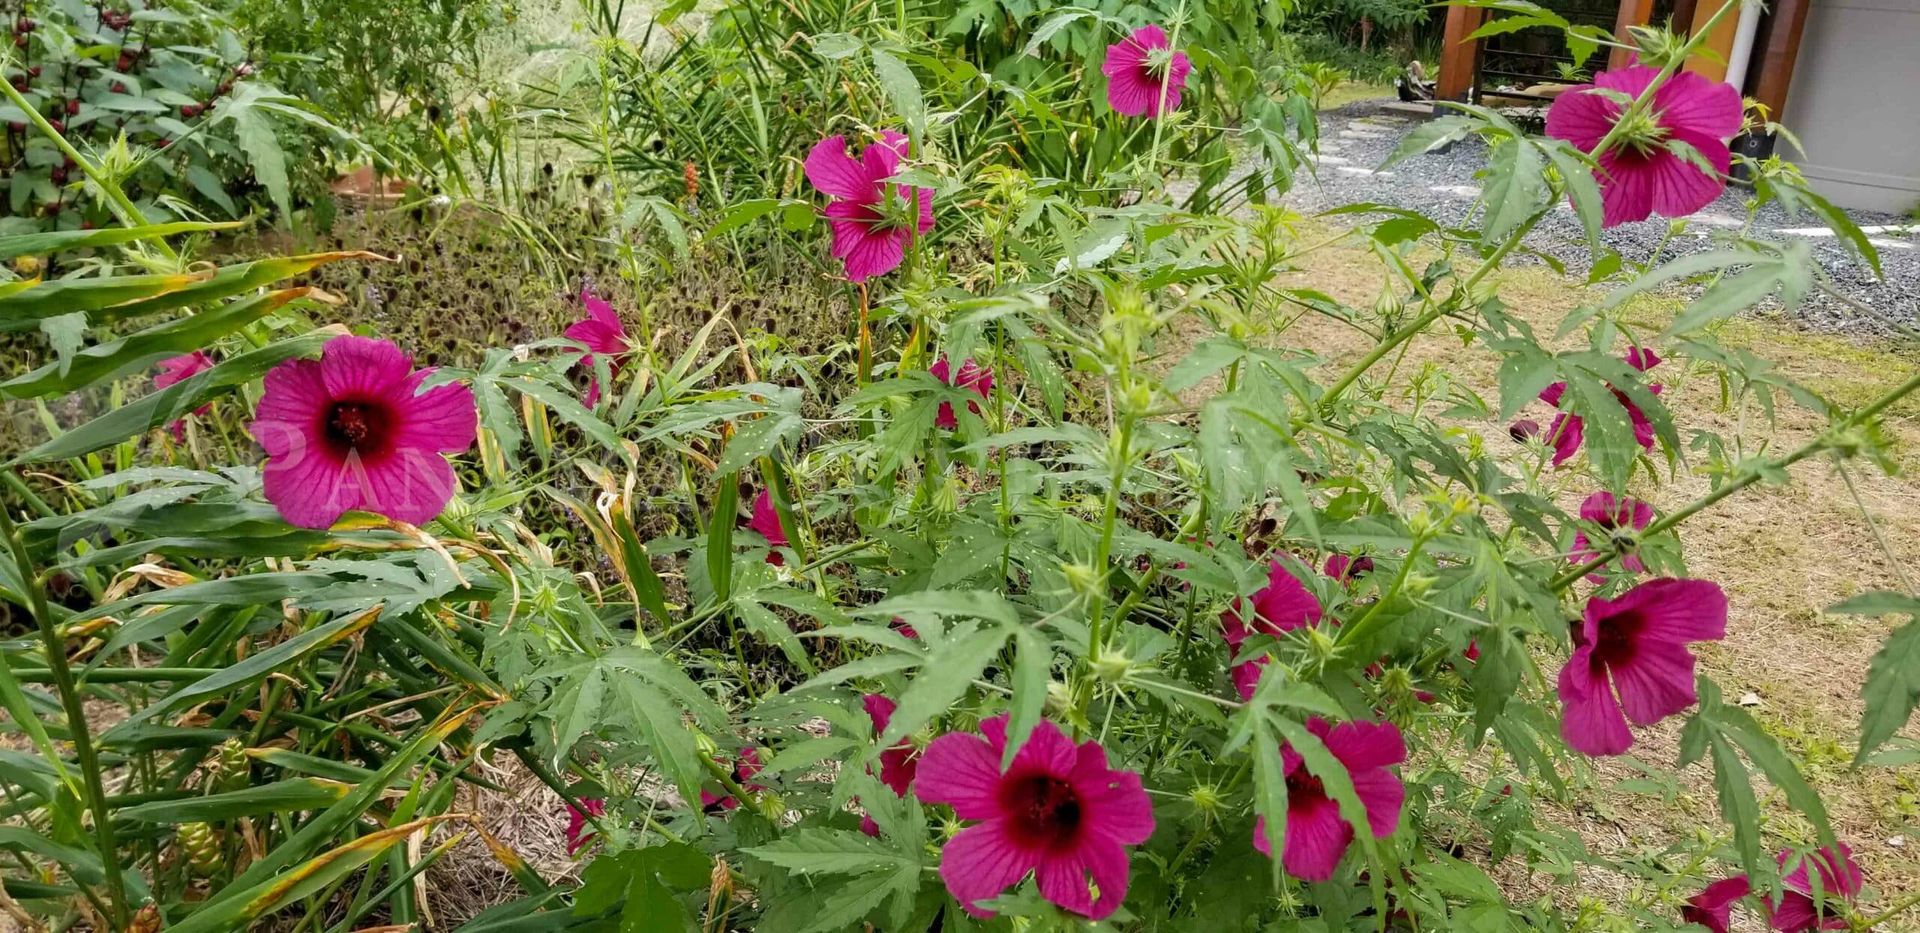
x: 1442, y: 185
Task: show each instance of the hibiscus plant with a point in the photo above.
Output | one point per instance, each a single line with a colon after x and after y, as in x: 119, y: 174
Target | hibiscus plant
x: 1103, y: 591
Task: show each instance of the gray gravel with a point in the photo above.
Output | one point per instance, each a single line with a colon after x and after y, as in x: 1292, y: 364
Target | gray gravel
x: 1443, y: 186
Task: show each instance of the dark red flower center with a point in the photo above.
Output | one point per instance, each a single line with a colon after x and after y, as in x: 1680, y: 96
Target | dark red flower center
x: 1303, y: 788
x: 358, y: 427
x: 1046, y: 811
x: 1615, y: 637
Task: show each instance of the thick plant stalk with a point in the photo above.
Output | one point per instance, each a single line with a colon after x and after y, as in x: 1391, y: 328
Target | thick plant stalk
x: 76, y: 714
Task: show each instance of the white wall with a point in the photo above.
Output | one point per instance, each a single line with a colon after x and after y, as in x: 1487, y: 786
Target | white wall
x: 1855, y: 103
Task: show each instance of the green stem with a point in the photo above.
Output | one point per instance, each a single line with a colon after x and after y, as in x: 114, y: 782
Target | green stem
x: 76, y: 713
x: 1366, y: 623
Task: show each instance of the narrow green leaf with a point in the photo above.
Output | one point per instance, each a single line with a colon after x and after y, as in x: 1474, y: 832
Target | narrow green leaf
x: 289, y: 796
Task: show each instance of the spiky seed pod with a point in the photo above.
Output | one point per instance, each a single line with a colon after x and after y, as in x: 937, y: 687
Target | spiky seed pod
x: 146, y: 919
x: 202, y: 845
x: 232, y: 765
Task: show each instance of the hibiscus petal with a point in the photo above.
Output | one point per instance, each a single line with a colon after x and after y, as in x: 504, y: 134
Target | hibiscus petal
x: 834, y: 172
x: 981, y: 862
x: 1119, y: 809
x: 1063, y: 880
x: 1698, y: 104
x: 1713, y: 907
x: 1317, y: 836
x: 1566, y: 433
x: 291, y: 408
x: 311, y: 490
x: 1110, y: 872
x: 1127, y: 55
x: 1361, y: 745
x: 1795, y: 914
x: 874, y: 252
x: 1581, y: 117
x: 1655, y: 682
x: 1590, y: 720
x: 882, y: 159
x: 1384, y: 795
x: 963, y: 772
x: 1628, y: 81
x: 1626, y: 187
x: 1673, y: 610
x: 1047, y: 751
x: 442, y: 418
x: 409, y: 485
x: 1840, y: 876
x: 1680, y: 187
x: 1285, y: 603
x: 364, y: 368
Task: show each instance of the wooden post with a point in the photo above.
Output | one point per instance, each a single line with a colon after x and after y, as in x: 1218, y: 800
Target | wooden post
x: 1632, y: 13
x: 1459, y: 55
x: 1775, y: 60
x: 1683, y: 16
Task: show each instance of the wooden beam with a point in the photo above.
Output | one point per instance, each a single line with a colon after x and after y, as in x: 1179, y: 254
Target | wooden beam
x: 1775, y: 60
x: 1459, y: 55
x: 1683, y: 16
x: 1632, y: 13
x: 1720, y: 42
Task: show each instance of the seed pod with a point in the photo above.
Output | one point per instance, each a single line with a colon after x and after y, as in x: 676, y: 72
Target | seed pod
x: 232, y: 764
x: 146, y: 919
x: 202, y: 845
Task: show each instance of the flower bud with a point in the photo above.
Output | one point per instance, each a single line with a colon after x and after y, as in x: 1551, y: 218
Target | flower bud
x: 1059, y: 699
x: 1206, y: 798
x: 1112, y: 666
x: 1081, y: 577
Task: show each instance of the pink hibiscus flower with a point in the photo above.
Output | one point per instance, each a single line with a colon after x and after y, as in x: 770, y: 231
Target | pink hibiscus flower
x: 603, y: 332
x: 578, y: 828
x: 1636, y: 647
x: 970, y: 377
x: 1840, y: 882
x: 1612, y: 515
x: 1641, y: 174
x: 1281, y: 606
x: 873, y: 219
x: 766, y: 521
x: 1058, y: 811
x: 743, y: 774
x: 1713, y: 907
x: 897, y: 764
x: 1569, y: 430
x: 1139, y: 69
x: 352, y: 430
x: 1317, y: 836
x: 1246, y: 677
x: 179, y: 369
x: 1348, y: 569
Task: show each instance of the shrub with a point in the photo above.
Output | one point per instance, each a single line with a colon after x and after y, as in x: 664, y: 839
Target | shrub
x: 177, y: 108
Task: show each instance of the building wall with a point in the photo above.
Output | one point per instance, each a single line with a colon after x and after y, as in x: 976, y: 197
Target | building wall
x: 1855, y: 103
